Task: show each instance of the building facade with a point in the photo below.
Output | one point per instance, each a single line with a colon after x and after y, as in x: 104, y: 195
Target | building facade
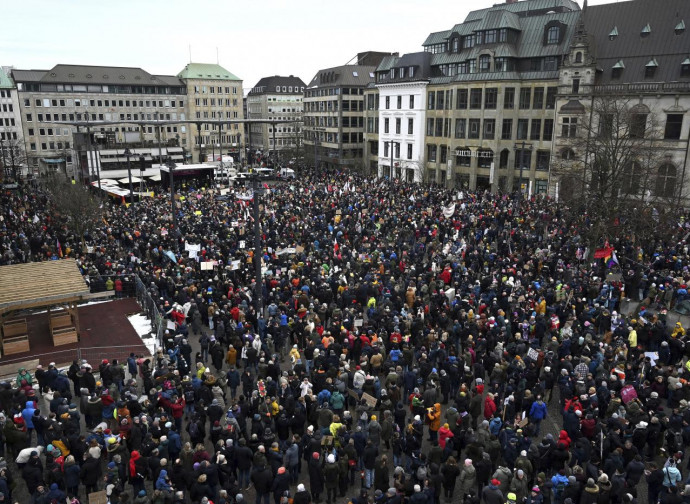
x: 213, y: 93
x: 626, y: 82
x: 334, y: 114
x: 278, y: 98
x: 491, y: 96
x: 93, y: 93
x: 12, y: 154
x: 401, y: 83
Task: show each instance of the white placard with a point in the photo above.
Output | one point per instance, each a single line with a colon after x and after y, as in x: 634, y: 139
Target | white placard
x: 235, y: 265
x: 242, y: 244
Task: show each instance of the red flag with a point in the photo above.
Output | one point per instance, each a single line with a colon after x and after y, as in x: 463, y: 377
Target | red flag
x: 603, y: 252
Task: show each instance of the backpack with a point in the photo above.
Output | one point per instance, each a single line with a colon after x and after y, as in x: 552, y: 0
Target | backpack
x: 495, y: 426
x: 189, y: 395
x: 193, y: 429
x: 558, y: 489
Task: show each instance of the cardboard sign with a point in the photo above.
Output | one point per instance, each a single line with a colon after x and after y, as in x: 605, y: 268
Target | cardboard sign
x: 235, y: 265
x: 207, y: 265
x: 98, y: 497
x: 359, y: 322
x: 371, y: 400
x: 532, y: 354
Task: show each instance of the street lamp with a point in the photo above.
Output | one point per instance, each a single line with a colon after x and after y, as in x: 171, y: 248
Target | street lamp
x: 129, y: 175
x: 142, y: 165
x: 171, y: 166
x: 522, y: 148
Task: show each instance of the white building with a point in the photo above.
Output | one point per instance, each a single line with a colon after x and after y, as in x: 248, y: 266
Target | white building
x: 12, y: 155
x: 402, y: 83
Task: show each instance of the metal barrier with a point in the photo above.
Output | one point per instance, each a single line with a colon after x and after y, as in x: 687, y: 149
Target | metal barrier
x: 94, y: 355
x: 150, y: 309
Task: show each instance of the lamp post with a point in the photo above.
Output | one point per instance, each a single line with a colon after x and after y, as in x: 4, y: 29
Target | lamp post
x: 316, y: 142
x: 522, y: 147
x: 171, y: 166
x: 142, y: 161
x: 129, y: 175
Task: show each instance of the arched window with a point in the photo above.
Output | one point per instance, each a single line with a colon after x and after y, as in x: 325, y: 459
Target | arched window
x: 553, y: 35
x: 503, y: 160
x: 631, y: 178
x: 666, y: 180
x: 578, y: 57
x: 568, y: 154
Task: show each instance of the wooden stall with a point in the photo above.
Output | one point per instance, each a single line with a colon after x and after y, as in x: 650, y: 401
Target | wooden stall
x: 36, y: 285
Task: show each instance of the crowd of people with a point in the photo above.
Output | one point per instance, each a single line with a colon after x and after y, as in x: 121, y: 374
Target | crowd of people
x: 415, y: 344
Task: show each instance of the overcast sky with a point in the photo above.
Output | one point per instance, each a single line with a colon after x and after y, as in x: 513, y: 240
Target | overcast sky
x: 254, y: 38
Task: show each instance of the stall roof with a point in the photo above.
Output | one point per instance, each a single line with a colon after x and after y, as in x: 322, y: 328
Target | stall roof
x: 37, y: 284
x: 181, y: 167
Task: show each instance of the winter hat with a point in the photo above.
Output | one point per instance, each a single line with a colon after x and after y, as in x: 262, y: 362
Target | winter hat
x: 604, y: 478
x: 315, y: 455
x: 417, y: 488
x: 331, y: 459
x: 520, y: 473
x: 535, y: 489
x: 495, y: 482
x: 523, y: 453
x: 468, y: 462
x: 300, y: 487
x: 281, y: 470
x: 239, y: 498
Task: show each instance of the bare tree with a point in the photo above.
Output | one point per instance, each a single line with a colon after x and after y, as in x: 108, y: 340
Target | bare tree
x: 13, y: 157
x: 607, y: 168
x: 74, y: 203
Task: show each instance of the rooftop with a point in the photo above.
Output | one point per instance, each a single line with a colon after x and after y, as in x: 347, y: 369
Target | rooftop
x: 210, y: 71
x: 87, y: 74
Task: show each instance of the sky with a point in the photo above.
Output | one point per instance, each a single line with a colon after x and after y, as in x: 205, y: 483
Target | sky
x: 251, y: 38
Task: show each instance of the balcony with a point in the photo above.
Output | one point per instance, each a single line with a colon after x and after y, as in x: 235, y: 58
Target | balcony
x: 642, y: 87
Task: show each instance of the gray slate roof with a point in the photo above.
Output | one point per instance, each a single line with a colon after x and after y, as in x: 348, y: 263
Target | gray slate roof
x: 343, y: 76
x: 269, y: 84
x: 635, y: 51
x: 86, y: 74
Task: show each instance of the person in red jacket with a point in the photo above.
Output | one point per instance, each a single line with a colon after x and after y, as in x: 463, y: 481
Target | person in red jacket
x: 489, y: 406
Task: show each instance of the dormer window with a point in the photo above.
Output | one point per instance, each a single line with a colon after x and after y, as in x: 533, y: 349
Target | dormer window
x: 278, y: 88
x: 617, y: 69
x: 392, y: 73
x: 411, y: 72
x: 553, y: 35
x: 402, y: 72
x: 646, y: 30
x: 613, y: 33
x: 680, y: 27
x: 685, y: 68
x: 578, y: 57
x: 484, y: 63
x: 456, y: 44
x: 650, y: 68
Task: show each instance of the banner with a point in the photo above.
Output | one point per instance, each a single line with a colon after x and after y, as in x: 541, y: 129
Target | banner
x: 191, y: 247
x: 448, y: 211
x: 247, y: 196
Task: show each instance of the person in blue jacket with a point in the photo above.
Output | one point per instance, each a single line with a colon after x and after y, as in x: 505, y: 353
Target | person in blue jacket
x: 537, y: 413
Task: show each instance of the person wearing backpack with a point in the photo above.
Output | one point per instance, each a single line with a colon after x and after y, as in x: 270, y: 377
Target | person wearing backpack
x: 558, y: 483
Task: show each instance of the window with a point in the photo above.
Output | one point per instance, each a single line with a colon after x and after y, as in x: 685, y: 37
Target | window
x: 578, y: 57
x: 548, y: 130
x: 507, y: 129
x: 649, y: 70
x: 386, y: 125
x: 399, y: 102
x: 568, y: 154
x: 429, y: 127
x: 398, y: 126
x: 503, y: 158
x: 543, y: 158
x: 685, y: 68
x: 525, y: 98
x: 553, y: 35
x: 522, y: 128
x: 474, y: 129
x: 455, y: 44
x: 440, y: 100
x: 666, y: 180
x: 490, y: 36
x: 550, y: 63
x: 523, y: 157
x: 431, y: 100
x: 551, y: 97
x: 29, y: 118
x: 576, y: 86
x: 605, y: 125
x: 461, y: 102
x: 674, y: 123
x: 632, y: 174
x: 410, y: 126
x: 490, y: 98
x: 489, y: 129
x: 460, y: 126
x: 411, y: 102
x: 538, y: 102
x: 638, y: 125
x: 509, y: 98
x: 484, y: 63
x: 569, y: 128
x: 617, y: 70
x: 475, y: 98
x: 535, y: 130
x: 463, y: 157
x: 472, y: 66
x: 468, y: 41
x: 409, y: 151
x: 431, y: 153
x: 388, y: 102
x: 439, y: 127
x: 444, y: 154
